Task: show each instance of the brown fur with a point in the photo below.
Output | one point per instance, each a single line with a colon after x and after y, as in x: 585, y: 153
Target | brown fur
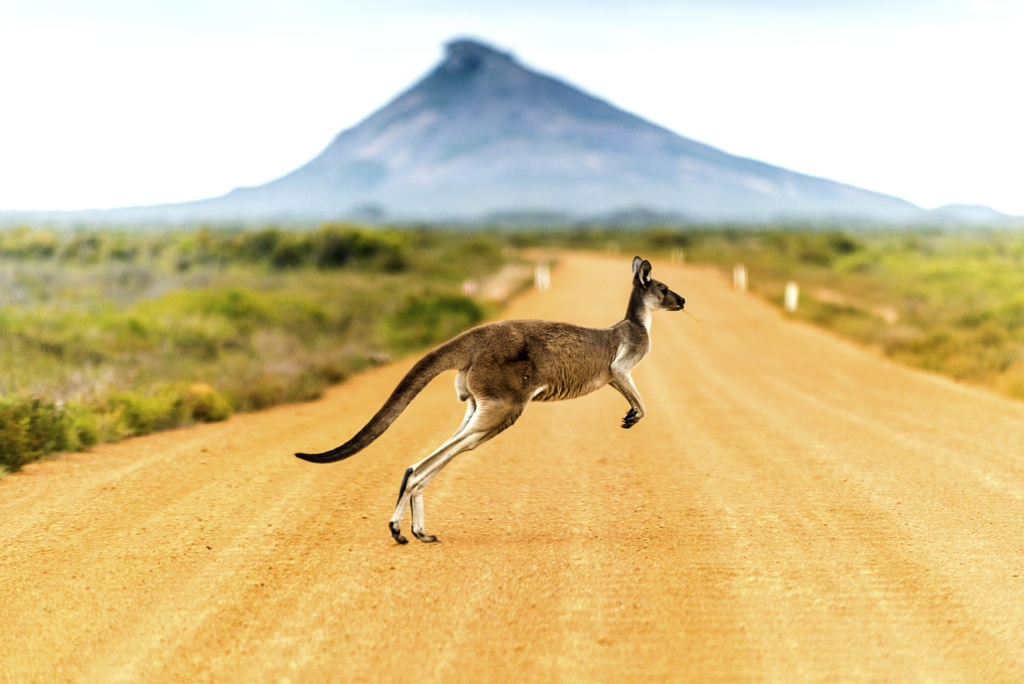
x: 505, y: 365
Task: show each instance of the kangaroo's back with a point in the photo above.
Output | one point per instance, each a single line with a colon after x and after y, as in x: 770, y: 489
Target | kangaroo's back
x: 562, y: 361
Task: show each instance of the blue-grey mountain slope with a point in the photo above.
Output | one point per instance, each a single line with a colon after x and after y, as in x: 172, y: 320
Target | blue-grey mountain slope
x: 481, y: 135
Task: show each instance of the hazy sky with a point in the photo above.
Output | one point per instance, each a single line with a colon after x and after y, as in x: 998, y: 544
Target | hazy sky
x: 121, y: 102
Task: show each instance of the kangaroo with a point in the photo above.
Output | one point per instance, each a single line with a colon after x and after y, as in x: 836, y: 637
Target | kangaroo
x: 502, y: 367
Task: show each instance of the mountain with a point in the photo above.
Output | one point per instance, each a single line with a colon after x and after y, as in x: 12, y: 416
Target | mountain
x: 972, y: 215
x: 481, y: 136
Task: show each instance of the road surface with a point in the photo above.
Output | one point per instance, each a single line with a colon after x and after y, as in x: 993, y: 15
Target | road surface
x: 792, y: 508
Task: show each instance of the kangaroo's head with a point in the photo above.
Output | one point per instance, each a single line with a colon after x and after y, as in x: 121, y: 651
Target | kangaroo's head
x: 653, y: 294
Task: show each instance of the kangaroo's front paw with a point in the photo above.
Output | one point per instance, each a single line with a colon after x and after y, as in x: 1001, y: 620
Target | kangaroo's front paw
x: 396, y: 532
x: 631, y: 419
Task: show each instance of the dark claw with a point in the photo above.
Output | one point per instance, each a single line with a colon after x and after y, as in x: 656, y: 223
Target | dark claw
x: 427, y: 538
x: 631, y: 419
x: 396, y: 532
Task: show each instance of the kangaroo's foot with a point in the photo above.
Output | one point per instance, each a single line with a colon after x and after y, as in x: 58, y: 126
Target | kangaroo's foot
x: 417, y: 513
x: 426, y: 538
x: 631, y: 419
x: 396, y: 532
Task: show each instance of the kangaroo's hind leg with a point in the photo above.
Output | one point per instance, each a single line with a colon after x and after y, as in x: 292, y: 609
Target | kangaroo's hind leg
x: 447, y: 450
x: 396, y: 519
x: 470, y: 410
x: 489, y: 419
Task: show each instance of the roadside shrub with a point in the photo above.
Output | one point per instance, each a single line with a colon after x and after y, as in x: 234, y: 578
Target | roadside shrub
x: 271, y: 389
x: 170, y: 406
x: 424, y: 321
x: 141, y: 415
x: 84, y: 429
x: 255, y: 394
x: 205, y: 405
x: 29, y: 430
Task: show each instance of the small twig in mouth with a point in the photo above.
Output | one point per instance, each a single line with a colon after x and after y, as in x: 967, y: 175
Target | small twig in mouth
x: 690, y: 315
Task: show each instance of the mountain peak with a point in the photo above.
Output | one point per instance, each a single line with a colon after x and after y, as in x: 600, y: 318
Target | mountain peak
x: 467, y: 56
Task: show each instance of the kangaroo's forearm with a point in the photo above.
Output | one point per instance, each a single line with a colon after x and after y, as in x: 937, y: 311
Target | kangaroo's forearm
x: 628, y: 390
x: 625, y: 386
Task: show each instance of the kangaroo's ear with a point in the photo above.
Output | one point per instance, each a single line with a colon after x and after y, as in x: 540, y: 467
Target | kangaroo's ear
x: 645, y: 272
x: 636, y: 265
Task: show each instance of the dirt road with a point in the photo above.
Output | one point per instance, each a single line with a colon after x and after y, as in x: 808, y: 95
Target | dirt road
x: 791, y: 509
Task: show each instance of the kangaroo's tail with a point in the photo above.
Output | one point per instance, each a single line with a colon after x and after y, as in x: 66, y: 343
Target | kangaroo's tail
x: 452, y: 355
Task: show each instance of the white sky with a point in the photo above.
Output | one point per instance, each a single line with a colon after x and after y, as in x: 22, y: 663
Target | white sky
x: 115, y: 103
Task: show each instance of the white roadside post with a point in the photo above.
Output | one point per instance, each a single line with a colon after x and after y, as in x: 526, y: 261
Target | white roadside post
x: 469, y: 287
x: 542, y: 277
x: 792, y: 297
x: 678, y: 256
x: 739, y: 278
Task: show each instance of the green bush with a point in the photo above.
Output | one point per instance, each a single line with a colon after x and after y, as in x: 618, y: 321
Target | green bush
x: 259, y: 245
x: 336, y: 246
x: 424, y: 321
x: 168, y: 406
x: 141, y: 415
x: 85, y: 431
x: 290, y: 254
x: 30, y: 429
x: 204, y: 405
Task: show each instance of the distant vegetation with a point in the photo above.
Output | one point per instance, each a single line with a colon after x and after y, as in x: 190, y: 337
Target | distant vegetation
x: 107, y: 334
x: 949, y: 302
x: 946, y: 302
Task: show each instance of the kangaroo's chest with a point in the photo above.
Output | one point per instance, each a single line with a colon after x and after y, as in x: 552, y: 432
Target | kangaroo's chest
x: 576, y: 377
x: 629, y: 354
x: 561, y: 389
x: 571, y: 376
